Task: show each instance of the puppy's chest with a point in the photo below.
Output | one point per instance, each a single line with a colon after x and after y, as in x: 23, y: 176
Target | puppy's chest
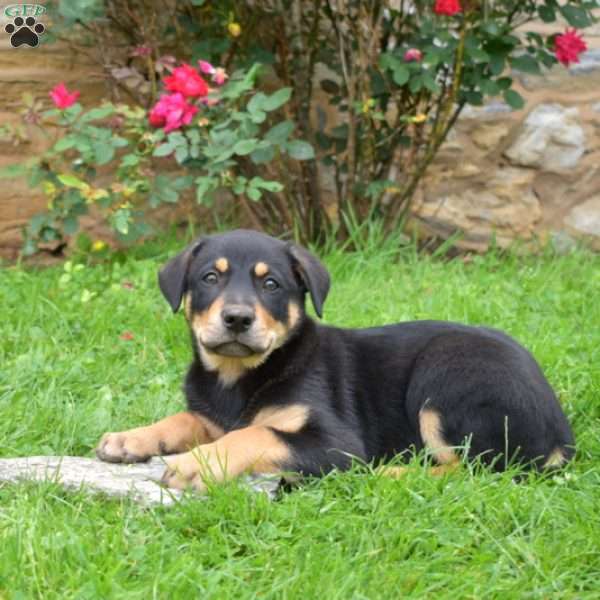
x: 230, y: 408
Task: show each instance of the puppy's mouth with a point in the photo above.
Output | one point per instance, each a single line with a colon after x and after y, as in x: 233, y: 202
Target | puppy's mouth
x: 235, y: 349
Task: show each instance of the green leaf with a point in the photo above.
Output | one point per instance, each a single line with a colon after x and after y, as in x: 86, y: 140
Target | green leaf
x: 165, y: 189
x: 37, y: 222
x: 279, y: 98
x: 258, y: 116
x: 70, y: 225
x: 64, y: 144
x: 479, y: 55
x: 300, y: 150
x: 181, y: 153
x: 416, y: 83
x: 183, y: 182
x: 474, y: 98
x: 388, y: 61
x: 193, y: 135
x: 489, y: 87
x: 256, y: 102
x: 400, y: 75
x: 163, y: 150
x: 575, y: 16
x: 270, y: 186
x: 430, y: 83
x: 97, y: 113
x: 514, y: 99
x: 204, y: 187
x: 103, y: 153
x: 253, y: 193
x: 244, y: 147
x: 240, y: 83
x: 72, y: 181
x: 504, y: 83
x: 525, y: 63
x: 263, y: 155
x: 278, y: 134
x: 497, y: 64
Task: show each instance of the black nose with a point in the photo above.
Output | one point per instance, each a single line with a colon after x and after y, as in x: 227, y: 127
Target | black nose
x: 238, y: 318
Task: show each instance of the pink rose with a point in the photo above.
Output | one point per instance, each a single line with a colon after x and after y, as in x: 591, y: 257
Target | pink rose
x: 205, y: 67
x: 171, y: 112
x: 61, y: 97
x: 219, y: 76
x: 413, y: 55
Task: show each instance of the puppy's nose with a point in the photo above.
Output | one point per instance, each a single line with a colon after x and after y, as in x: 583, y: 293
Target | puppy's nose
x: 238, y: 318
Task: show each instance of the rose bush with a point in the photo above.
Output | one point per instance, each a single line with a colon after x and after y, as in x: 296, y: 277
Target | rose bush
x: 397, y: 76
x: 209, y: 132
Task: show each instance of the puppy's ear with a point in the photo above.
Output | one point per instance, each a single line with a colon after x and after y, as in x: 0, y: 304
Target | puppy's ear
x: 172, y: 277
x: 313, y: 274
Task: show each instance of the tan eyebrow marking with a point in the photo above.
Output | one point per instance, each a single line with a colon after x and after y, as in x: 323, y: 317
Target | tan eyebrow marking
x: 261, y: 269
x: 222, y: 264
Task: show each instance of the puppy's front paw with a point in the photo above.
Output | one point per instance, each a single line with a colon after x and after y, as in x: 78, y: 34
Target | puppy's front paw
x: 125, y: 447
x: 183, y: 471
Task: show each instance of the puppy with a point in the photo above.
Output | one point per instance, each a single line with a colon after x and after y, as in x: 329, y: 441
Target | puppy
x: 270, y: 390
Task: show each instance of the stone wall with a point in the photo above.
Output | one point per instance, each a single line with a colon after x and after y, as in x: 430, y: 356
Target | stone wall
x: 502, y: 175
x: 36, y: 71
x: 532, y: 174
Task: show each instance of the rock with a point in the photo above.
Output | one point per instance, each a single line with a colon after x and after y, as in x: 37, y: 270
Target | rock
x: 138, y: 481
x: 589, y: 61
x: 552, y: 139
x: 562, y: 242
x: 493, y: 109
x: 453, y: 143
x: 488, y: 137
x: 466, y: 169
x: 585, y: 218
x: 503, y: 206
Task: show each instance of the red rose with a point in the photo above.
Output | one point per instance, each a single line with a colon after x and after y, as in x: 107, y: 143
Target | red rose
x: 61, y: 97
x: 447, y: 7
x: 187, y: 81
x: 568, y: 47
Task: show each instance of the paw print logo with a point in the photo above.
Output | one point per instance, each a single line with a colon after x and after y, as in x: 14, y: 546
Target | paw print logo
x: 24, y: 32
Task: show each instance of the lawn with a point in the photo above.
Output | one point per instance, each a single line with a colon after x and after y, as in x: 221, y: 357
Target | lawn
x: 89, y: 349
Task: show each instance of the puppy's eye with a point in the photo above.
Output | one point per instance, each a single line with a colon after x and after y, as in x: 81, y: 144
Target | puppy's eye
x: 270, y: 285
x: 211, y: 278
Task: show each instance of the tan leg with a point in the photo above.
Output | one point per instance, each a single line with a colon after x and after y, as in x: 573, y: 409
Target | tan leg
x: 430, y: 426
x: 173, y: 434
x: 254, y: 449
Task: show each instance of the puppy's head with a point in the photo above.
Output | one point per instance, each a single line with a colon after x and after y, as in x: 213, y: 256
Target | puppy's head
x: 243, y: 294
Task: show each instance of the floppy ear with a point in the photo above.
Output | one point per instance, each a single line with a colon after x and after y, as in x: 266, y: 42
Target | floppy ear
x: 172, y: 277
x: 313, y: 274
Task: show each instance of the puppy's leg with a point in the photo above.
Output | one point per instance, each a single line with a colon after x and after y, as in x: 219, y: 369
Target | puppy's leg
x: 259, y: 448
x: 430, y: 427
x: 173, y: 434
x: 255, y: 449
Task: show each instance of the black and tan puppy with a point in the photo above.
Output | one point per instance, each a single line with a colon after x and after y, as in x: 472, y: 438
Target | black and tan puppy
x: 270, y: 390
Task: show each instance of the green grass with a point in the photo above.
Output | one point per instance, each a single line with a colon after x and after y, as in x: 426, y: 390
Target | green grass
x: 66, y: 376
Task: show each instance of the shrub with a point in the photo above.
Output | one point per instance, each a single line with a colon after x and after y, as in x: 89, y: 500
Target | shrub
x: 397, y: 75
